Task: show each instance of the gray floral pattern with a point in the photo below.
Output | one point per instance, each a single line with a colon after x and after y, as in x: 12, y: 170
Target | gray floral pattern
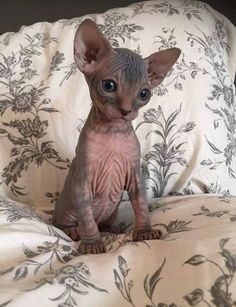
x: 225, y: 116
x: 32, y: 115
x: 167, y: 151
x: 187, y: 134
x: 221, y: 290
x: 27, y: 136
x: 64, y: 277
x: 75, y: 279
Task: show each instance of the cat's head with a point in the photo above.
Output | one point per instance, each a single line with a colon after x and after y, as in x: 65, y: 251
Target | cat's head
x: 120, y: 81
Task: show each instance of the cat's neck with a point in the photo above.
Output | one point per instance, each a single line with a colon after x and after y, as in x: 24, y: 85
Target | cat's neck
x: 98, y: 122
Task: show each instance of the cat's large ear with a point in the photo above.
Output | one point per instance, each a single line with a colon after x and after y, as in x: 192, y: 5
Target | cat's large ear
x: 90, y: 46
x: 159, y: 64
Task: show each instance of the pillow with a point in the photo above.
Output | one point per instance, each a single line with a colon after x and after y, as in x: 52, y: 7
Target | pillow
x: 187, y: 131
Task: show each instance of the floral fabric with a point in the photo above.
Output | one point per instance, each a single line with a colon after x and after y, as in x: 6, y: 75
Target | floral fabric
x: 187, y: 134
x: 187, y: 131
x: 194, y: 263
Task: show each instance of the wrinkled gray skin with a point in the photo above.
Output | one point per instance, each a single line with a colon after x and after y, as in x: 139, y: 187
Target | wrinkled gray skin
x: 107, y: 160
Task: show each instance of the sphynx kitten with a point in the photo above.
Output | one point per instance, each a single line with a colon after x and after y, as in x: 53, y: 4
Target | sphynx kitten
x: 107, y: 160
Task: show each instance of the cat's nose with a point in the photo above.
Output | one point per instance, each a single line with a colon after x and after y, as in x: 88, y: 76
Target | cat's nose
x: 124, y: 112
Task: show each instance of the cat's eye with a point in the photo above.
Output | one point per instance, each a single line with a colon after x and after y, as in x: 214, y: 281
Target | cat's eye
x: 144, y: 94
x: 109, y: 86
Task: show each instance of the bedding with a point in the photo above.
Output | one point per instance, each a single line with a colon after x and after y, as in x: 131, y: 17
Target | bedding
x: 187, y: 134
x: 194, y: 264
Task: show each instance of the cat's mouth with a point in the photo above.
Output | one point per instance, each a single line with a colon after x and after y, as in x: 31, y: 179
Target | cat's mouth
x: 127, y: 117
x: 114, y: 114
x: 130, y: 116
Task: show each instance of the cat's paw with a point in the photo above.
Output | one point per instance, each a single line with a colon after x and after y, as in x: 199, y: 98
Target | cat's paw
x: 147, y: 234
x: 96, y: 247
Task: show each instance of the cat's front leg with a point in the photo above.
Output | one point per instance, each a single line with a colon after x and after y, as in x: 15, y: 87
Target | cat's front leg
x: 142, y: 229
x: 91, y: 242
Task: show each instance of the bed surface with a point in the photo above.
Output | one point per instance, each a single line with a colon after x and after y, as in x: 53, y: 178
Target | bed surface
x: 192, y: 265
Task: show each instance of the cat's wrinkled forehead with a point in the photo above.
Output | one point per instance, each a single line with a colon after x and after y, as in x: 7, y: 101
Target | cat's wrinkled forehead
x: 129, y: 64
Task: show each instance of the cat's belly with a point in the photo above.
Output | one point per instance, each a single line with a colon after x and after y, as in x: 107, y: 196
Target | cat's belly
x: 109, y: 178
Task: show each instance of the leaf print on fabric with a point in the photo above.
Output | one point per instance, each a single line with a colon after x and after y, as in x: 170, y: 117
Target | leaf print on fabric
x: 121, y: 282
x: 27, y: 135
x: 221, y: 34
x: 196, y: 260
x: 164, y: 42
x: 138, y: 8
x: 125, y: 285
x: 54, y: 251
x: 177, y: 74
x: 123, y: 266
x: 156, y: 165
x: 150, y: 282
x: 70, y: 70
x: 221, y: 290
x: 215, y: 188
x: 189, y: 9
x: 165, y: 8
x: 116, y: 27
x: 6, y: 303
x: 173, y: 227
x: 195, y: 297
x: 75, y: 280
x: 218, y: 213
x: 223, y: 97
x: 57, y: 59
x: 15, y: 211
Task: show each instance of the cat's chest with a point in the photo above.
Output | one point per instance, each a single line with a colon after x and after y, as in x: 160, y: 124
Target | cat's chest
x: 112, y: 148
x: 111, y: 162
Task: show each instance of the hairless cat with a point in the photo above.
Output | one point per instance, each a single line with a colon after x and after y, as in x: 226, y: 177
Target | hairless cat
x: 107, y: 160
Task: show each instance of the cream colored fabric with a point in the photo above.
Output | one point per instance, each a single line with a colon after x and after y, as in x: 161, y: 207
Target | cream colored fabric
x: 192, y: 265
x: 187, y: 137
x: 187, y: 131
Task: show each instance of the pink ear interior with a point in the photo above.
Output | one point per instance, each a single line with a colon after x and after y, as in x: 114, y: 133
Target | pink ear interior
x: 160, y: 63
x: 89, y: 46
